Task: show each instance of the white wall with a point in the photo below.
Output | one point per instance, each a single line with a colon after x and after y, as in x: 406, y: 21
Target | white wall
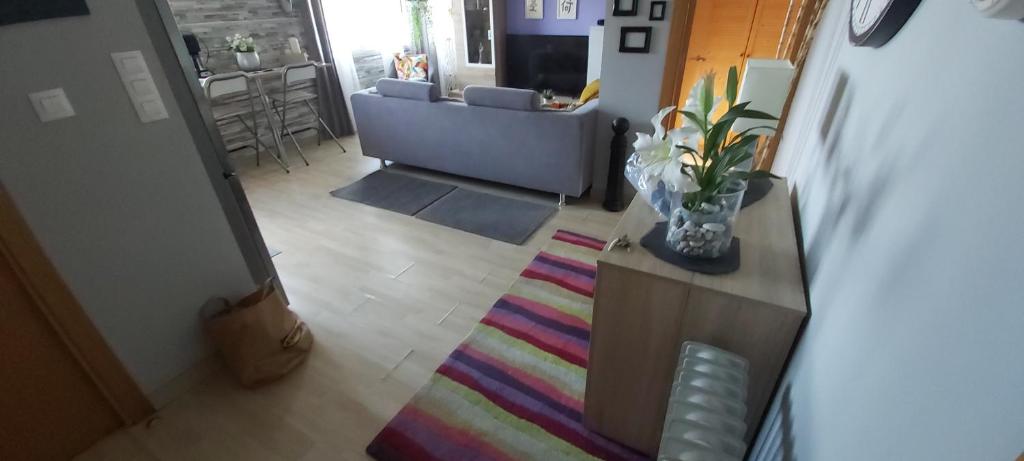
x: 909, y: 190
x: 630, y: 83
x: 124, y: 210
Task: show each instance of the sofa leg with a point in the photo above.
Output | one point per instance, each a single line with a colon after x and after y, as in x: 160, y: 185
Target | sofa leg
x: 561, y: 200
x: 383, y: 164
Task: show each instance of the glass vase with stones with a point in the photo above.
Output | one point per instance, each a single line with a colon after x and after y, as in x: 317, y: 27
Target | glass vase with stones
x: 706, y: 232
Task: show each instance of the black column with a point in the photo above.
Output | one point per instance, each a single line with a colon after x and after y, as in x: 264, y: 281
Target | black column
x: 616, y: 166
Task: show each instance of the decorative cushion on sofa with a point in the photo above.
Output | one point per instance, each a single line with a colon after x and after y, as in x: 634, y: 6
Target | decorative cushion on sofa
x: 411, y: 67
x: 590, y: 92
x: 406, y: 89
x: 502, y: 98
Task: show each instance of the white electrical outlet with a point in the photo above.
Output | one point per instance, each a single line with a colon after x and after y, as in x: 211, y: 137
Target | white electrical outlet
x: 138, y: 82
x: 51, y: 105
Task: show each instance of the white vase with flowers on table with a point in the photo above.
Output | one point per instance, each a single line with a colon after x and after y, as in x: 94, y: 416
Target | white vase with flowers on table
x: 245, y: 52
x: 695, y: 175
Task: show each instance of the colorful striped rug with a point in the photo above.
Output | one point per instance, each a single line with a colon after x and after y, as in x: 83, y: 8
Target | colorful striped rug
x: 513, y: 390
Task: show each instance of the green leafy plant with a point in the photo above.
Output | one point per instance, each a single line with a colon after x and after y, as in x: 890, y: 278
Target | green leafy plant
x: 713, y: 164
x: 548, y: 94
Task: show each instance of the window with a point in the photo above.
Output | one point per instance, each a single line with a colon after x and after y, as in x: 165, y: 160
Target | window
x: 479, y: 38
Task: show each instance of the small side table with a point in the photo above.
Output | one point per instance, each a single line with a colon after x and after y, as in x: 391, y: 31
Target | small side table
x: 645, y: 308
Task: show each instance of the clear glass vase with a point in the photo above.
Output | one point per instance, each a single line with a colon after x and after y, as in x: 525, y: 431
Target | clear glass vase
x: 707, y: 231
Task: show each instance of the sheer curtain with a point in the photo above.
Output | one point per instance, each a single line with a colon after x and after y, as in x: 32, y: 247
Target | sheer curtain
x: 442, y: 33
x: 358, y: 25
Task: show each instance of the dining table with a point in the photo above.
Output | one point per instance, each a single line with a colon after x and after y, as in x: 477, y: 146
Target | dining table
x: 259, y: 77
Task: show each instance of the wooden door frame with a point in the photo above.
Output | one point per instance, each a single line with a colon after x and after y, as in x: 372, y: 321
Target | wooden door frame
x: 62, y: 310
x: 173, y: 56
x: 798, y: 46
x: 499, y: 29
x: 675, y: 57
x: 798, y: 42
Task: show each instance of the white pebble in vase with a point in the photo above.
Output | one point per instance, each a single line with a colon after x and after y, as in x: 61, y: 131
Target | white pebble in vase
x: 714, y: 227
x: 707, y: 207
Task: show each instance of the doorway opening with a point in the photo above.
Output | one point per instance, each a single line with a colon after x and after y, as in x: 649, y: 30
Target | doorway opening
x: 714, y: 35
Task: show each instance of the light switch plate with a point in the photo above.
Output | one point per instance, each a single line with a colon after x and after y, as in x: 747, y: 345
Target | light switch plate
x: 51, y: 105
x: 138, y: 82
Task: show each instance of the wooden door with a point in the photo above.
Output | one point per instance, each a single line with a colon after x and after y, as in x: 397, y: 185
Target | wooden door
x: 785, y: 26
x: 62, y: 389
x: 499, y: 15
x: 725, y: 33
x: 51, y: 408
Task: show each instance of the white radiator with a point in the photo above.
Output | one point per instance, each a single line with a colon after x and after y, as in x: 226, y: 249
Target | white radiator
x: 707, y: 407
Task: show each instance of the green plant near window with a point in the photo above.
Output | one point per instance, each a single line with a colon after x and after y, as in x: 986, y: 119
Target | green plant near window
x: 714, y: 163
x: 419, y: 15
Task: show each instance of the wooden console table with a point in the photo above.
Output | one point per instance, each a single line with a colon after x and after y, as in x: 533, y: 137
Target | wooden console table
x: 645, y: 308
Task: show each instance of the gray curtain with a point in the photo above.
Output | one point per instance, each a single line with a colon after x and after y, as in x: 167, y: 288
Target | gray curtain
x: 431, y: 52
x: 332, y: 100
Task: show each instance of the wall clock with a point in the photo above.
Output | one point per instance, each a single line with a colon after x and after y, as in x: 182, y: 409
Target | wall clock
x: 874, y: 22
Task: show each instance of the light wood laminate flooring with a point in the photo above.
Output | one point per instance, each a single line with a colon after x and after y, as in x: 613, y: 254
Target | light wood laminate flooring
x: 387, y: 296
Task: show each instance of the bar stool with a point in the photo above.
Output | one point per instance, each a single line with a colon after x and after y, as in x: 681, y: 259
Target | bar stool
x: 290, y: 76
x: 219, y: 89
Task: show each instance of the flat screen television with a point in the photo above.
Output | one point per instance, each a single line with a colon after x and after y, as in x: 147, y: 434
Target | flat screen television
x: 15, y: 11
x: 540, y: 62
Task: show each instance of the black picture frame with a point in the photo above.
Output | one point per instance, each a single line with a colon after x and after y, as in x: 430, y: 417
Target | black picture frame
x: 15, y: 11
x: 619, y: 10
x: 624, y: 34
x: 658, y: 8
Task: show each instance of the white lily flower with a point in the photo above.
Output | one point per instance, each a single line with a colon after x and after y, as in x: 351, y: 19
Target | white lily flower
x: 688, y: 158
x: 659, y: 129
x: 656, y: 160
x: 693, y: 97
x: 676, y: 180
x: 693, y: 100
x: 686, y: 135
x: 644, y: 143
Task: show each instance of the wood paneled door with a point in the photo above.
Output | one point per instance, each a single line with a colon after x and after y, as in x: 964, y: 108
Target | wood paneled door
x: 713, y: 35
x: 726, y: 33
x: 62, y: 388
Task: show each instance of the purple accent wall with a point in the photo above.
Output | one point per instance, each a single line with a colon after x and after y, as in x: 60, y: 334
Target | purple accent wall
x: 587, y: 14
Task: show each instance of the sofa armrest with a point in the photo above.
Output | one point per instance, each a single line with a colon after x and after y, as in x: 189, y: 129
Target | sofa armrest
x: 587, y: 108
x: 588, y: 145
x: 584, y: 122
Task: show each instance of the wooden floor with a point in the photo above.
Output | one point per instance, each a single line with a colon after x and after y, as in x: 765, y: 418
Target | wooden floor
x: 387, y: 296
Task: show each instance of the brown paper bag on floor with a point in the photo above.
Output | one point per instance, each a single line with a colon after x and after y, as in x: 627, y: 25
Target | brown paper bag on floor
x: 259, y: 337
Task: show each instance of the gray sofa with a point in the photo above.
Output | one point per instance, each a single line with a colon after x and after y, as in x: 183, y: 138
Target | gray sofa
x: 497, y: 134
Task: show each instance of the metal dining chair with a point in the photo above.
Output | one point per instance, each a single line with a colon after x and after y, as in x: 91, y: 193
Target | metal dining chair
x: 292, y: 75
x: 220, y: 89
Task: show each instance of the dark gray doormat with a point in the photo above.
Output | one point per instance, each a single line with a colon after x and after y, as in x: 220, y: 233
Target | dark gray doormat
x: 492, y: 216
x: 500, y: 218
x: 394, y: 191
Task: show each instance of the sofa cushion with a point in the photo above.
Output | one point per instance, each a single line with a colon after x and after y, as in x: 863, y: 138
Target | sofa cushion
x: 591, y: 91
x: 411, y: 67
x: 405, y: 89
x: 502, y: 98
